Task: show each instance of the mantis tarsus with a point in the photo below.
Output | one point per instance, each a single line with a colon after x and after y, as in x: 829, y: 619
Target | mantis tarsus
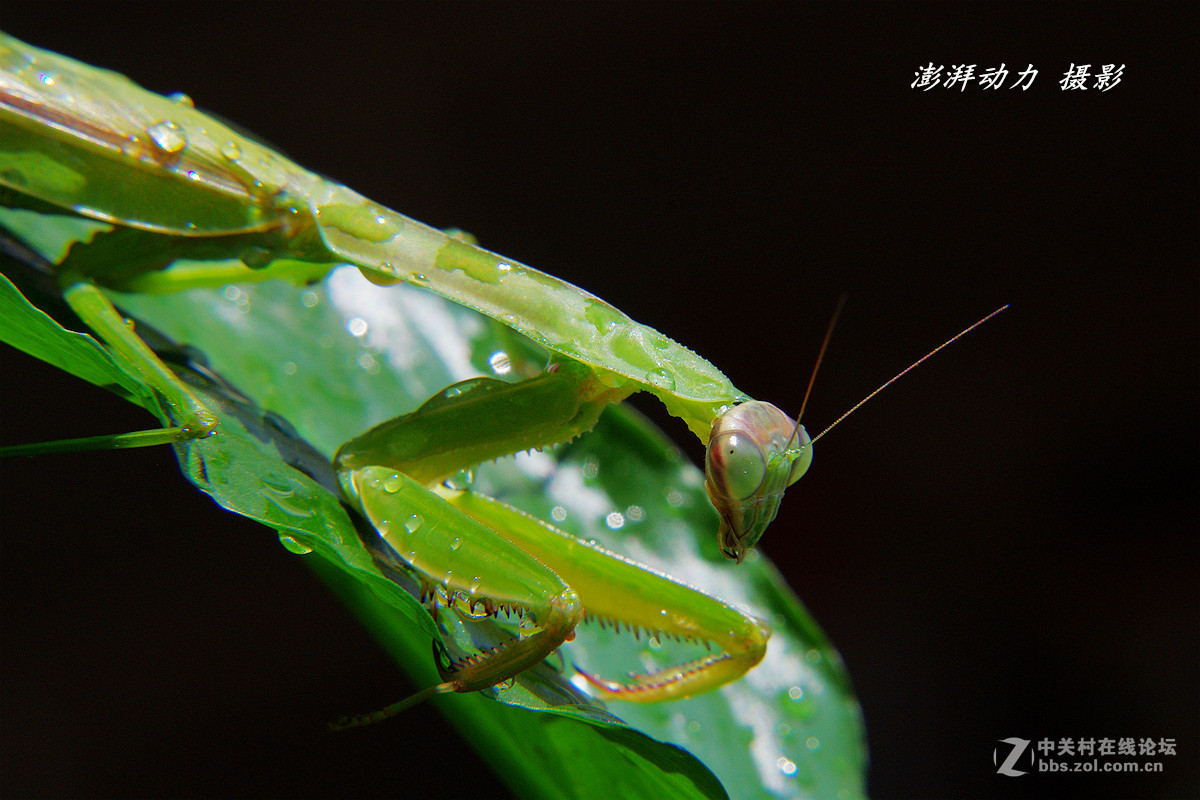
x: 173, y: 183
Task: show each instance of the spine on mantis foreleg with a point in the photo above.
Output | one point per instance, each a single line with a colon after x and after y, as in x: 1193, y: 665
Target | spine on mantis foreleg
x: 618, y: 591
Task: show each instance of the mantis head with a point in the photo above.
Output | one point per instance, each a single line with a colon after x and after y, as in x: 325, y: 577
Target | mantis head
x: 755, y: 452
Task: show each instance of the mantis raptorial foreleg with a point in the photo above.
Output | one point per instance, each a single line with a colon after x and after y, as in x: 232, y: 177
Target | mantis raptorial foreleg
x: 615, y: 588
x: 489, y: 553
x: 467, y: 558
x: 482, y: 419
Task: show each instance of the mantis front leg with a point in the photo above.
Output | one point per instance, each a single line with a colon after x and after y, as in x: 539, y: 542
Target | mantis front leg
x: 468, y: 560
x: 483, y: 552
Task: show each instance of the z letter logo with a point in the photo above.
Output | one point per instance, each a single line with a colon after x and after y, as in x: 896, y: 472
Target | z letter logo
x: 1018, y: 747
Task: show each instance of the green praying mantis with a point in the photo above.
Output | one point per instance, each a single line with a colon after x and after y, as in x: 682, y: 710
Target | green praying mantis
x: 175, y: 184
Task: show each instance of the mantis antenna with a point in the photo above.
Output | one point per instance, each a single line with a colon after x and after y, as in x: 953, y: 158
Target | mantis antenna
x: 837, y: 312
x: 888, y: 383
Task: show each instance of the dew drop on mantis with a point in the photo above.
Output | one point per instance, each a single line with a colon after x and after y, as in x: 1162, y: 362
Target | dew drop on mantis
x: 165, y: 182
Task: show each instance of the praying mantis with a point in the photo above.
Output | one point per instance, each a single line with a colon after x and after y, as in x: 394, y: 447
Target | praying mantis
x: 171, y: 183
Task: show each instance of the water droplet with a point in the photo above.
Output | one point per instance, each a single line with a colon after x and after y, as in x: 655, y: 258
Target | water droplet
x: 653, y: 643
x: 231, y: 150
x: 309, y: 299
x: 615, y: 520
x: 661, y: 379
x: 47, y: 78
x: 693, y: 726
x: 813, y: 656
x: 357, y: 326
x: 674, y: 498
x: 812, y: 743
x: 591, y: 467
x: 786, y: 765
x: 414, y: 523
x: 256, y: 257
x: 369, y: 363
x: 460, y: 481
x: 635, y: 514
x: 796, y: 693
x: 500, y: 362
x: 294, y: 546
x: 417, y: 279
x: 289, y: 368
x: 462, y: 604
x: 393, y: 483
x: 382, y: 276
x: 558, y: 513
x: 167, y: 136
x: 455, y: 543
x: 182, y: 99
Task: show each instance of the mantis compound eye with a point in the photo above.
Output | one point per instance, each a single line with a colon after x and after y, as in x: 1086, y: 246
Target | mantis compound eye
x: 735, y: 465
x: 801, y: 462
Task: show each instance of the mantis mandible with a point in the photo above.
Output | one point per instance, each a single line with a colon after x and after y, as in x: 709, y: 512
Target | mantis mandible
x: 175, y: 183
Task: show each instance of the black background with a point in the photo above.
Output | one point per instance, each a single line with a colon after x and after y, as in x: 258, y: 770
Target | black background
x: 1003, y: 544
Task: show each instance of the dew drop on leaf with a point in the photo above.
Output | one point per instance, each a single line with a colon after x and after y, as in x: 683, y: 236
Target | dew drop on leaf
x: 167, y: 136
x: 294, y: 546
